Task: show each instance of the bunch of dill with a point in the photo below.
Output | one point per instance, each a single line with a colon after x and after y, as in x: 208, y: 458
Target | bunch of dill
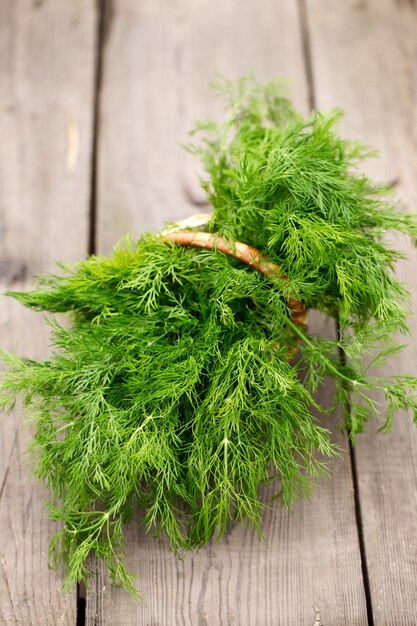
x: 173, y: 390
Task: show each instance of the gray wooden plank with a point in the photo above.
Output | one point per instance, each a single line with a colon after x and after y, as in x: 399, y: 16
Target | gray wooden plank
x: 364, y: 59
x: 47, y: 51
x: 159, y: 57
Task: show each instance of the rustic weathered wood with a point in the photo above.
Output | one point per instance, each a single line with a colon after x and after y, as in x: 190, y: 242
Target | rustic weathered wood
x: 47, y: 51
x: 364, y: 60
x: 159, y: 56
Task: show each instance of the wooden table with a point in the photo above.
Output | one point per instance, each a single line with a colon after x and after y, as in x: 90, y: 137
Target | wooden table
x: 94, y: 100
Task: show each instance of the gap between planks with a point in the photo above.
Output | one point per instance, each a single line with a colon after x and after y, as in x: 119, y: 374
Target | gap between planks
x: 103, y: 18
x: 312, y: 100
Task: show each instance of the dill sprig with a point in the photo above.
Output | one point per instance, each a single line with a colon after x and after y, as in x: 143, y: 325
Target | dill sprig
x: 175, y: 389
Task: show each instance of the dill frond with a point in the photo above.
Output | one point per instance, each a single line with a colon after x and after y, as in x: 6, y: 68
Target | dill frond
x: 172, y: 391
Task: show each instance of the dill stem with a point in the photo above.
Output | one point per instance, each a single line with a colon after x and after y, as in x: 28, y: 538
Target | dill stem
x: 225, y: 444
x: 330, y: 365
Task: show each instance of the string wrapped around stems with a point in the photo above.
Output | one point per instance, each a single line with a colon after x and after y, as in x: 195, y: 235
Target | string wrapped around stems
x: 242, y: 251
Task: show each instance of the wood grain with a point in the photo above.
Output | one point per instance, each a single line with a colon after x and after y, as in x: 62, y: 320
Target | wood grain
x: 46, y: 89
x: 159, y: 57
x: 364, y: 59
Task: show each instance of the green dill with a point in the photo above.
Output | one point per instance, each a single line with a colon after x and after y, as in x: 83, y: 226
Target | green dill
x: 175, y: 390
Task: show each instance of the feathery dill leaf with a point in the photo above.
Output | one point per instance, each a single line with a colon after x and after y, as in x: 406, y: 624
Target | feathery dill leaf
x: 173, y: 390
